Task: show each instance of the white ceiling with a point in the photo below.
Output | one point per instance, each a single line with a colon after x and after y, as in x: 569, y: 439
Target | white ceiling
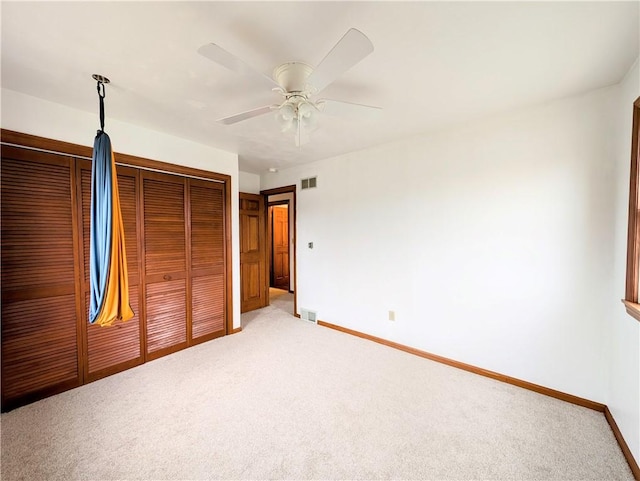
x: 435, y: 64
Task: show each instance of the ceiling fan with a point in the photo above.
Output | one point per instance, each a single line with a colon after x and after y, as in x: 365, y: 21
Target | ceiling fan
x: 298, y: 83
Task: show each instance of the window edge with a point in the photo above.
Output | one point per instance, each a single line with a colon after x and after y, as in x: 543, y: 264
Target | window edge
x: 633, y: 309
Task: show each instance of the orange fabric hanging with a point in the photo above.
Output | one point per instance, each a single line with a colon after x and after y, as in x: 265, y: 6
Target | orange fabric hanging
x: 116, y: 301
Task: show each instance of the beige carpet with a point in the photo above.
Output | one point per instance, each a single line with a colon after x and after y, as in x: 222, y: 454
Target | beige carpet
x: 286, y: 399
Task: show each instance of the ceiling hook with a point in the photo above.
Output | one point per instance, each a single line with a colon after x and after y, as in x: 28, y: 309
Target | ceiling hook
x: 101, y: 79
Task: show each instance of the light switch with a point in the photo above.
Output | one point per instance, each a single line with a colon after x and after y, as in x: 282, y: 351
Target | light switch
x: 310, y: 245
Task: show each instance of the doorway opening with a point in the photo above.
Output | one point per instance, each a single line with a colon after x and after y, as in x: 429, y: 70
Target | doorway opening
x: 281, y: 242
x: 279, y: 253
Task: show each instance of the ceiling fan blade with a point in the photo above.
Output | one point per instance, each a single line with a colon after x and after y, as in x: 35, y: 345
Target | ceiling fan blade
x: 339, y: 107
x: 221, y: 56
x: 350, y: 49
x: 245, y: 115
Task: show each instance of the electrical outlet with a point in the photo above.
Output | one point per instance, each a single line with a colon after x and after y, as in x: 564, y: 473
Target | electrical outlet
x: 392, y: 315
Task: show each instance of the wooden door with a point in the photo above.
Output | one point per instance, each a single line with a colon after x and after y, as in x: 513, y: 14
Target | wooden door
x: 280, y: 246
x: 40, y: 287
x: 165, y: 263
x: 207, y: 267
x: 117, y: 347
x: 253, y: 262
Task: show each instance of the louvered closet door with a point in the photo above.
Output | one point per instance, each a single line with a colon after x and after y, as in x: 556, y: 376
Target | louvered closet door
x: 117, y: 347
x: 40, y: 352
x: 207, y: 260
x: 165, y: 263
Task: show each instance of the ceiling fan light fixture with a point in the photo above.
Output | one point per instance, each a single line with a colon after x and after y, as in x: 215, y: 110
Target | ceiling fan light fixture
x: 305, y: 110
x: 284, y: 116
x: 297, y: 111
x: 308, y: 115
x: 287, y: 112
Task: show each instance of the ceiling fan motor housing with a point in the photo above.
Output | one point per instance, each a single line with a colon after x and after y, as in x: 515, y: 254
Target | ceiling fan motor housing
x: 292, y: 77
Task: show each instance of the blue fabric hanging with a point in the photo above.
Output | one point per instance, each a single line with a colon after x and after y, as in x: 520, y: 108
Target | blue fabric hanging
x: 109, y: 281
x: 101, y: 222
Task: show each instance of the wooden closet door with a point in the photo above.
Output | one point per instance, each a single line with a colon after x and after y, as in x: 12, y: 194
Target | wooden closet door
x: 207, y: 268
x: 40, y: 286
x: 117, y: 347
x: 165, y: 263
x: 254, y: 288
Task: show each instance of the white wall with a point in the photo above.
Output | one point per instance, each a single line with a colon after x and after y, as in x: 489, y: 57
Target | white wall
x: 492, y: 242
x: 624, y: 347
x: 35, y: 116
x: 249, y: 183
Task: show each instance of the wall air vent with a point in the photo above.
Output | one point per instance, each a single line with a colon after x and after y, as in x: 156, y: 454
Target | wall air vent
x: 309, y: 183
x: 308, y: 315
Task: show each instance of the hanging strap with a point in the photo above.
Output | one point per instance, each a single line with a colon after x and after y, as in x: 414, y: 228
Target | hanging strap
x: 101, y: 95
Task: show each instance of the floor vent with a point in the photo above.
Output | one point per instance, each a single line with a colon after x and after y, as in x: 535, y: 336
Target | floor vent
x: 308, y: 315
x: 309, y: 183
